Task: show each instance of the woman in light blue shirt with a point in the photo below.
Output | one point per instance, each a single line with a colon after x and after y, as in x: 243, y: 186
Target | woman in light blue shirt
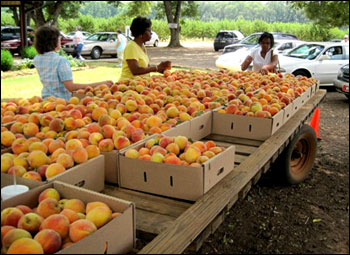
x: 55, y: 71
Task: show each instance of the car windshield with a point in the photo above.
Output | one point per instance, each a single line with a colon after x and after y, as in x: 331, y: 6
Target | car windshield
x: 306, y: 51
x: 251, y: 40
x: 98, y: 37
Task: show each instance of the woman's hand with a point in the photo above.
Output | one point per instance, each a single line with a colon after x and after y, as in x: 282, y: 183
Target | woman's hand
x: 108, y: 83
x: 264, y: 70
x: 163, y: 66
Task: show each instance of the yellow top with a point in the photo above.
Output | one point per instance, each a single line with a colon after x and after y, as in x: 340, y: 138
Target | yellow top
x: 134, y: 51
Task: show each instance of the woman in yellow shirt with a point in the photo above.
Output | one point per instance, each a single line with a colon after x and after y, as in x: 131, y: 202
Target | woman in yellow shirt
x: 136, y: 61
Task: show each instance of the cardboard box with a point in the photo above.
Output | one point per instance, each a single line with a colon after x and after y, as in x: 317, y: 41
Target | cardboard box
x: 7, y: 179
x: 246, y: 127
x: 307, y: 95
x: 119, y: 234
x: 181, y: 129
x: 111, y: 166
x: 175, y: 181
x: 88, y: 175
x: 201, y: 126
x: 297, y: 104
x: 288, y: 112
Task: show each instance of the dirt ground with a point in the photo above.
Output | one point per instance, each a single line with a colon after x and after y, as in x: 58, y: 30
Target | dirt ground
x: 312, y: 217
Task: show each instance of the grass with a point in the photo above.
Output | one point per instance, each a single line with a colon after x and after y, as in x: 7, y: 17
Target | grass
x: 30, y: 85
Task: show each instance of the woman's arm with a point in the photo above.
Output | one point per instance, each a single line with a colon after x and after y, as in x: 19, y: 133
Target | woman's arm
x: 137, y: 70
x: 268, y: 68
x: 71, y: 86
x: 246, y: 63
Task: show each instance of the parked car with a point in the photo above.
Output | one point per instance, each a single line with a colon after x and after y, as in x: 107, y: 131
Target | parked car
x: 341, y: 83
x: 65, y: 39
x: 96, y: 45
x: 70, y: 35
x: 14, y: 45
x: 154, y: 40
x: 9, y: 33
x: 252, y: 40
x: 226, y: 37
x: 320, y: 60
x: 233, y: 60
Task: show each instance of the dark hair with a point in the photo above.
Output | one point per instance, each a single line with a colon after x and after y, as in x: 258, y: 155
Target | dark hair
x: 269, y: 36
x: 139, y: 26
x: 46, y: 39
x: 119, y: 31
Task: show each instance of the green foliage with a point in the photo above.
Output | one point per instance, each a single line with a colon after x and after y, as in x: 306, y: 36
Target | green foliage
x: 72, y: 61
x: 6, y: 60
x: 25, y: 64
x: 29, y: 52
x: 99, y: 9
x: 7, y: 19
x: 325, y: 13
x: 142, y: 8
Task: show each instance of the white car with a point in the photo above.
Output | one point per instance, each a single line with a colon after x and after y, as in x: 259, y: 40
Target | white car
x: 320, y: 60
x: 85, y: 34
x: 233, y: 60
x: 154, y: 39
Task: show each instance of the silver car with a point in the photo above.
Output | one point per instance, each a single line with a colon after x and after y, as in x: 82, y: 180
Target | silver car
x: 96, y: 45
x: 341, y: 83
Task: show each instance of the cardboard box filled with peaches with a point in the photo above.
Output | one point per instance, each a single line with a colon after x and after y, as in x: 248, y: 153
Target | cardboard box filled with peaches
x: 174, y: 166
x: 64, y: 219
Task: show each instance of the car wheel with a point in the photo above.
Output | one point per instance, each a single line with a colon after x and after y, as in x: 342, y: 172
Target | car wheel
x: 114, y: 55
x: 96, y: 53
x: 301, y: 73
x: 216, y: 49
x: 297, y: 159
x: 155, y: 43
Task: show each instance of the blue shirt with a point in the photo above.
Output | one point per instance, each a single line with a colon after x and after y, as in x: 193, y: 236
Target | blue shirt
x: 122, y: 44
x: 53, y: 71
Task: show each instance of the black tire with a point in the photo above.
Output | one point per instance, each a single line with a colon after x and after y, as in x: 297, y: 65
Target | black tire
x: 297, y: 159
x: 96, y: 53
x: 216, y: 49
x: 301, y: 73
x: 114, y: 55
x: 155, y: 43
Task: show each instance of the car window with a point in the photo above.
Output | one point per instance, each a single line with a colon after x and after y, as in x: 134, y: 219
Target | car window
x: 286, y: 46
x: 306, y: 51
x: 113, y: 37
x: 98, y: 37
x: 222, y: 35
x: 6, y: 30
x: 335, y: 53
x: 251, y: 40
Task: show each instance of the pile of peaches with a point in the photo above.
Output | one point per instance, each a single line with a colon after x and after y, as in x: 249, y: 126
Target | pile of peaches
x: 177, y: 150
x: 55, y: 224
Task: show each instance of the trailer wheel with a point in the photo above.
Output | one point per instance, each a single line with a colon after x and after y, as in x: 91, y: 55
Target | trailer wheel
x: 297, y: 159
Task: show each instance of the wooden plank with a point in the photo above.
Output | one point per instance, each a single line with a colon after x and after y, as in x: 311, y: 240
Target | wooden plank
x: 191, y: 223
x: 152, y: 222
x: 240, y: 158
x: 234, y: 140
x: 148, y: 202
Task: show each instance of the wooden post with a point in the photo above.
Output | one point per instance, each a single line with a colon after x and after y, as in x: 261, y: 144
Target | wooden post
x: 23, y: 26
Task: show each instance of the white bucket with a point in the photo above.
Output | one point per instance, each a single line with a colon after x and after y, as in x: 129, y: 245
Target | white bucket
x: 13, y: 190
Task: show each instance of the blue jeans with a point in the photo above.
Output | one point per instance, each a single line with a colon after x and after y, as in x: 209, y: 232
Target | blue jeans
x: 79, y: 48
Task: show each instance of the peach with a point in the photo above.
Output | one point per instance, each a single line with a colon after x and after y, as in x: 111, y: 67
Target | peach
x: 58, y: 222
x: 92, y: 151
x: 174, y: 148
x: 115, y: 214
x: 154, y: 121
x: 65, y: 160
x: 17, y: 170
x: 95, y: 138
x: 17, y: 127
x: 10, y: 216
x: 47, y: 207
x: 61, y: 203
x: 107, y: 131
x: 33, y: 140
x: 76, y: 114
x: 80, y: 155
x: 73, y: 144
x: 121, y: 142
x: 92, y: 205
x: 30, y: 222
x: 81, y: 229
x: 73, y: 134
x: 37, y: 159
x: 70, y: 123
x: 105, y: 119
x: 210, y: 144
x: 56, y: 153
x: 25, y: 246
x: 200, y: 145
x: 144, y: 151
x: 96, y: 113
x: 6, y: 163
x: 209, y: 154
x: 115, y: 114
x: 30, y: 129
x: 38, y: 146
x: 99, y: 216
x: 165, y: 141
x: 202, y: 159
x: 191, y: 154
x: 34, y: 118
x: 137, y: 135
x: 42, y: 171
x: 25, y: 209
x: 70, y: 214
x: 94, y: 127
x: 54, y: 145
x: 150, y: 143
x: 49, y: 193
x: 81, y: 215
x: 216, y: 149
x: 56, y: 125
x: 132, y: 153
x: 106, y: 145
x: 21, y: 161
x: 12, y: 236
x: 157, y: 157
x: 75, y: 204
x: 131, y: 105
x: 32, y: 175
x: 174, y: 160
x: 5, y: 230
x: 7, y: 138
x: 49, y: 240
x: 19, y: 145
x: 66, y: 245
x: 53, y: 170
x: 181, y: 141
x: 146, y: 157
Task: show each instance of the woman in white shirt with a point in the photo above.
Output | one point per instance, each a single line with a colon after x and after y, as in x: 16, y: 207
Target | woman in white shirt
x: 79, y: 42
x: 264, y: 59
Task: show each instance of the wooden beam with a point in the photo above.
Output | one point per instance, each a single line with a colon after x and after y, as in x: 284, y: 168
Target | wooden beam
x: 192, y: 222
x: 10, y: 3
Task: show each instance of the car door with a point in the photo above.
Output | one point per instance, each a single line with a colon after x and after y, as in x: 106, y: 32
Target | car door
x: 111, y: 45
x: 327, y: 70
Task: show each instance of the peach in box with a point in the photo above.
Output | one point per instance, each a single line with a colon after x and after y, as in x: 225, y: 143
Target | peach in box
x: 10, y: 216
x: 81, y: 229
x: 49, y: 240
x: 30, y: 222
x: 58, y: 222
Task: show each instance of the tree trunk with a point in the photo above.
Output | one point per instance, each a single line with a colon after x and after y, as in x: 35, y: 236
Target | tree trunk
x: 54, y: 11
x: 15, y: 15
x: 174, y: 32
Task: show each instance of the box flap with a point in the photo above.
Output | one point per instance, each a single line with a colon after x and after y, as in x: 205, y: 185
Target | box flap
x: 201, y: 126
x: 181, y: 129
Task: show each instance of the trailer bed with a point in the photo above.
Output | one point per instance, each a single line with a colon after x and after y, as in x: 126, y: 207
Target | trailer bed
x: 166, y: 225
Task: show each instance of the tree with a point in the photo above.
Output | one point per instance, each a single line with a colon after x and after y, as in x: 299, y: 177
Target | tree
x: 172, y: 10
x: 325, y: 13
x: 139, y: 8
